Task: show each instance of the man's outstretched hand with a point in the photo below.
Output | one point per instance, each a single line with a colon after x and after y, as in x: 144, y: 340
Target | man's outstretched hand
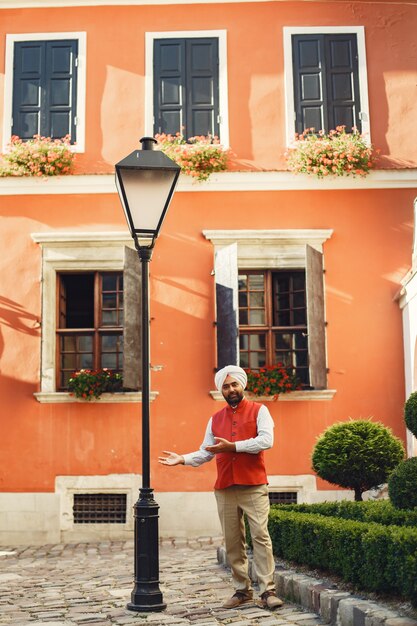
x: 222, y: 445
x: 171, y: 458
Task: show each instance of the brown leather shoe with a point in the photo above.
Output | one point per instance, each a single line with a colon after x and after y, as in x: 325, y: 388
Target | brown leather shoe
x: 270, y: 600
x: 238, y: 598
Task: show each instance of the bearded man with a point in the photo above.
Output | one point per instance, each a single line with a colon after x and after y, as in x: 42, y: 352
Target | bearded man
x: 237, y: 435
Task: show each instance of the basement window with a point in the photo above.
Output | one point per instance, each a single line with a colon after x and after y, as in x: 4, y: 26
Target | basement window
x: 99, y: 508
x: 283, y: 497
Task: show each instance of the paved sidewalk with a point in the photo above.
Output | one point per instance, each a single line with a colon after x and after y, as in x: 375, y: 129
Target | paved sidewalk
x: 77, y: 584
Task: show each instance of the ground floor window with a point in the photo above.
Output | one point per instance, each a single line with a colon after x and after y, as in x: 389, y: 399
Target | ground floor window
x: 90, y: 323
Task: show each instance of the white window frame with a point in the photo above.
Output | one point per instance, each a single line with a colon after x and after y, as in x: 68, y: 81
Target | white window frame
x: 11, y: 39
x: 221, y: 35
x: 359, y: 31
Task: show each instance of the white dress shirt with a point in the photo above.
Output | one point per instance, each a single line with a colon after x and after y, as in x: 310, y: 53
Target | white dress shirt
x: 263, y: 440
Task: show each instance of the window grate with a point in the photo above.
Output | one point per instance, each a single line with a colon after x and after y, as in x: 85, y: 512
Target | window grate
x: 99, y: 508
x: 283, y: 497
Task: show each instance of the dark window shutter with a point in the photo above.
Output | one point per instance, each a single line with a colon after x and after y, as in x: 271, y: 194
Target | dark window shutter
x: 28, y: 83
x: 45, y: 89
x: 315, y: 318
x: 202, y: 87
x: 227, y: 312
x: 132, y: 330
x: 169, y: 85
x: 186, y: 86
x: 309, y: 82
x: 343, y: 101
x: 326, y: 81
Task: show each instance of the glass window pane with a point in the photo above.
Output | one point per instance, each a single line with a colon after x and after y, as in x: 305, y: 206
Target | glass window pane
x: 109, y: 300
x: 85, y: 343
x: 298, y: 299
x: 68, y: 343
x: 257, y: 342
x: 256, y: 318
x: 299, y: 317
x: 300, y: 341
x: 257, y: 299
x: 86, y: 361
x: 109, y: 282
x: 109, y: 343
x: 69, y: 361
x: 109, y: 318
x: 257, y: 359
x: 109, y: 361
x: 283, y: 341
x: 256, y: 281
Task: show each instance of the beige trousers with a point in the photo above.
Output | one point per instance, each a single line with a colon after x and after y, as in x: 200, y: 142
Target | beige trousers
x: 232, y: 503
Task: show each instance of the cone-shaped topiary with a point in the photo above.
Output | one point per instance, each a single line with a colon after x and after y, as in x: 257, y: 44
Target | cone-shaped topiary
x: 410, y: 413
x: 402, y: 485
x: 358, y: 455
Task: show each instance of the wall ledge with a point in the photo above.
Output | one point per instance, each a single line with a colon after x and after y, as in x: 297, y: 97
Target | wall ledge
x: 62, y: 397
x: 223, y: 181
x: 292, y: 396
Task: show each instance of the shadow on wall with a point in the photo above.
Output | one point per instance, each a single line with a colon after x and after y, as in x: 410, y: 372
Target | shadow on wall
x: 14, y: 316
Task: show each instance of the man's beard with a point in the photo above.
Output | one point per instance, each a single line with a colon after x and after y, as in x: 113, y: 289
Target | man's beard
x: 237, y: 397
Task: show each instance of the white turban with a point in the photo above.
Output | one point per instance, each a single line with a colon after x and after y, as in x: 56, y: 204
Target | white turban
x: 234, y: 371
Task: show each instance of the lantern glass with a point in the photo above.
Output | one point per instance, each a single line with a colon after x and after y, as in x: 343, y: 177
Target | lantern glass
x: 147, y: 193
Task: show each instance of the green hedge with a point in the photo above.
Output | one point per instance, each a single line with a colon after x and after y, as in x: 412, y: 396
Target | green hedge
x: 380, y: 511
x: 372, y: 556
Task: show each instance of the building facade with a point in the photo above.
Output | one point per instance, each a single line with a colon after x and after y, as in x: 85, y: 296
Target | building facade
x: 256, y: 265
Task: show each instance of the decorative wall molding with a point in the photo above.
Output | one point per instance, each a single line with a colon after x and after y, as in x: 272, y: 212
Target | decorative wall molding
x: 35, y: 4
x: 223, y: 181
x: 292, y: 396
x: 62, y: 397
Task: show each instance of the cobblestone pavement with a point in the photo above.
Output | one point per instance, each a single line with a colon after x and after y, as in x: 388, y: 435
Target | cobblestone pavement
x: 77, y: 584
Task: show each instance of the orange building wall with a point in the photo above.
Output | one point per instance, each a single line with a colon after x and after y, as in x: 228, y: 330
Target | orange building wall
x: 365, y: 257
x: 255, y: 65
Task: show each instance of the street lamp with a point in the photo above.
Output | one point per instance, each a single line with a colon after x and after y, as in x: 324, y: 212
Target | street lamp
x: 146, y: 181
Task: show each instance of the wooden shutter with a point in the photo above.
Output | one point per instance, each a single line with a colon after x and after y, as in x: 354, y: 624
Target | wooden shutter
x: 45, y: 89
x: 169, y: 85
x: 227, y: 312
x: 202, y: 87
x: 315, y: 318
x: 132, y: 329
x: 186, y: 86
x: 326, y: 81
x: 309, y: 82
x: 343, y: 101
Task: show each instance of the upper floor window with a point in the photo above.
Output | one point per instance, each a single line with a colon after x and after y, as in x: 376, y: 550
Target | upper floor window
x: 326, y: 81
x: 187, y: 84
x: 45, y: 86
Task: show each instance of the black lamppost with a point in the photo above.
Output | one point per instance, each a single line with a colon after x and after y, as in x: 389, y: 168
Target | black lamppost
x: 146, y: 181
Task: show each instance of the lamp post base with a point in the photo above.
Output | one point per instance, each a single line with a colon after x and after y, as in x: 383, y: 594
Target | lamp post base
x: 146, y: 595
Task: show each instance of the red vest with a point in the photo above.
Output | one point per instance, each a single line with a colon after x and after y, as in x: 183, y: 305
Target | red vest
x: 238, y: 468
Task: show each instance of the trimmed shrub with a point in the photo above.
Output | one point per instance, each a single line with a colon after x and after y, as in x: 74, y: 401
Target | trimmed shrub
x: 402, y: 485
x: 358, y: 455
x: 371, y: 556
x: 380, y: 511
x: 410, y: 413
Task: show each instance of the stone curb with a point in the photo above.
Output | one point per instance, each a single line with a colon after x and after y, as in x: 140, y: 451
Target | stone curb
x: 335, y: 607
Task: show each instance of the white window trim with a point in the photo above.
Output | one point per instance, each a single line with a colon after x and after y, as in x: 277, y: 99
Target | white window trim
x: 98, y: 251
x: 221, y: 35
x: 359, y: 31
x: 269, y: 249
x: 11, y: 39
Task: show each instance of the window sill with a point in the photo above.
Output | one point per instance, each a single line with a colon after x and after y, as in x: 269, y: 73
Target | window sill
x: 60, y: 397
x: 292, y: 396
